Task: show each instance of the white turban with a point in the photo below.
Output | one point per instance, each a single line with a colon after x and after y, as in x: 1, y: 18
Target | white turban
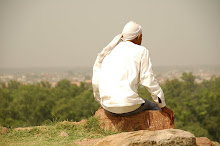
x: 131, y: 31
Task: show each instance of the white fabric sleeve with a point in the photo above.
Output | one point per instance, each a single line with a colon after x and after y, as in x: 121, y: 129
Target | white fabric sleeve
x: 95, y: 79
x: 147, y: 79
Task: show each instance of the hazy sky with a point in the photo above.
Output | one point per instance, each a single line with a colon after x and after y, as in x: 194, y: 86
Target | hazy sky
x: 70, y: 33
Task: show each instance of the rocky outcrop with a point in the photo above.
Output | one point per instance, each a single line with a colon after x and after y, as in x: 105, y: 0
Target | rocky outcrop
x: 216, y: 143
x: 64, y: 134
x: 154, y: 138
x: 147, y: 120
x: 4, y: 130
x: 203, y: 141
x: 74, y: 123
x: 86, y: 142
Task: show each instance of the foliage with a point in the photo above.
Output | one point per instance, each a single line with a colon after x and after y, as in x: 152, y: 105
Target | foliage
x: 196, y: 105
x: 30, y: 105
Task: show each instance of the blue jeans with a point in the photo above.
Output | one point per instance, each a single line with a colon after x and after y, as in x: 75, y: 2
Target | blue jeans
x: 148, y: 105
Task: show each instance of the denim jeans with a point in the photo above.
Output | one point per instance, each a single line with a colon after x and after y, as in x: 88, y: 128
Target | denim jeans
x: 148, y: 105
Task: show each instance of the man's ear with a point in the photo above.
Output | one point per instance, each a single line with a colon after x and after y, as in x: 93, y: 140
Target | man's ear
x: 139, y: 36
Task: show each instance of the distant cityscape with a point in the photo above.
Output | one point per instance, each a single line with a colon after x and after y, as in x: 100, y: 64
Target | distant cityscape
x: 84, y: 74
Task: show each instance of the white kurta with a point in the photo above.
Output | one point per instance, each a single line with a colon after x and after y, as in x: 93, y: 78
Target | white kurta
x: 116, y: 79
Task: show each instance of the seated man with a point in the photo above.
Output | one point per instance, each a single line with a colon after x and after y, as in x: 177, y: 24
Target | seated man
x: 118, y: 70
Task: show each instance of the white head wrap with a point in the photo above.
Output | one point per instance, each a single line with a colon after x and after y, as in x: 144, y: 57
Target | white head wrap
x: 131, y: 31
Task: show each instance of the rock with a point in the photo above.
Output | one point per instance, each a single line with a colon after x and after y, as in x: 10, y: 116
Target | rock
x: 23, y: 128
x: 64, y: 134
x: 216, y: 143
x: 28, y: 128
x: 75, y: 123
x: 146, y: 120
x: 203, y: 141
x: 154, y: 138
x: 4, y: 130
x: 87, y: 142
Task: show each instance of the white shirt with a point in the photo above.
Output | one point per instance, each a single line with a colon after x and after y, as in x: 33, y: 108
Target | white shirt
x: 116, y: 79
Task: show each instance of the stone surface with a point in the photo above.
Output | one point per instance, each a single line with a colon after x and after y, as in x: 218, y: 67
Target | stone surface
x: 28, y: 128
x: 216, y: 143
x: 147, y: 120
x: 64, y: 134
x: 4, y: 130
x: 154, y: 138
x: 73, y: 123
x: 86, y: 142
x: 23, y: 128
x: 203, y: 141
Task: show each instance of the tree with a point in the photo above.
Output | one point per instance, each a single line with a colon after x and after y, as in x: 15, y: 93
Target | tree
x: 188, y: 80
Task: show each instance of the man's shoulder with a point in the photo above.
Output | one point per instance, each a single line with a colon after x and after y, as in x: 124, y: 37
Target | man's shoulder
x: 141, y: 49
x: 133, y: 45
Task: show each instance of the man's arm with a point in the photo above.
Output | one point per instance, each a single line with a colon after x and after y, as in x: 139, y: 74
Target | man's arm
x: 170, y: 113
x: 95, y: 79
x: 147, y: 79
x: 149, y: 82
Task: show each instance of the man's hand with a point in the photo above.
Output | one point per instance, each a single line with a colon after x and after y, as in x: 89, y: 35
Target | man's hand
x: 170, y: 113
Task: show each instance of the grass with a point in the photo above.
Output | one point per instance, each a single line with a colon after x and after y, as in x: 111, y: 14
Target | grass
x: 49, y: 134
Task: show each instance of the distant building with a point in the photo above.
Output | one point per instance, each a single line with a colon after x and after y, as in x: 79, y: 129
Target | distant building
x: 75, y: 82
x: 88, y: 81
x: 53, y: 84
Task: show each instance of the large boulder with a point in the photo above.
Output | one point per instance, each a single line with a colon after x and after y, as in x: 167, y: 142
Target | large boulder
x: 154, y: 138
x: 146, y: 120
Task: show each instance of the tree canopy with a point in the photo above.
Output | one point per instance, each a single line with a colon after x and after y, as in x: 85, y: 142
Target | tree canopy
x: 196, y: 105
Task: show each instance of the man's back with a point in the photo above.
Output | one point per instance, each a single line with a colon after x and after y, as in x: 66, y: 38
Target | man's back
x: 119, y: 75
x: 118, y: 70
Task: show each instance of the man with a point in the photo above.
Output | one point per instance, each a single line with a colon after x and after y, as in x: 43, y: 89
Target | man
x: 118, y: 70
